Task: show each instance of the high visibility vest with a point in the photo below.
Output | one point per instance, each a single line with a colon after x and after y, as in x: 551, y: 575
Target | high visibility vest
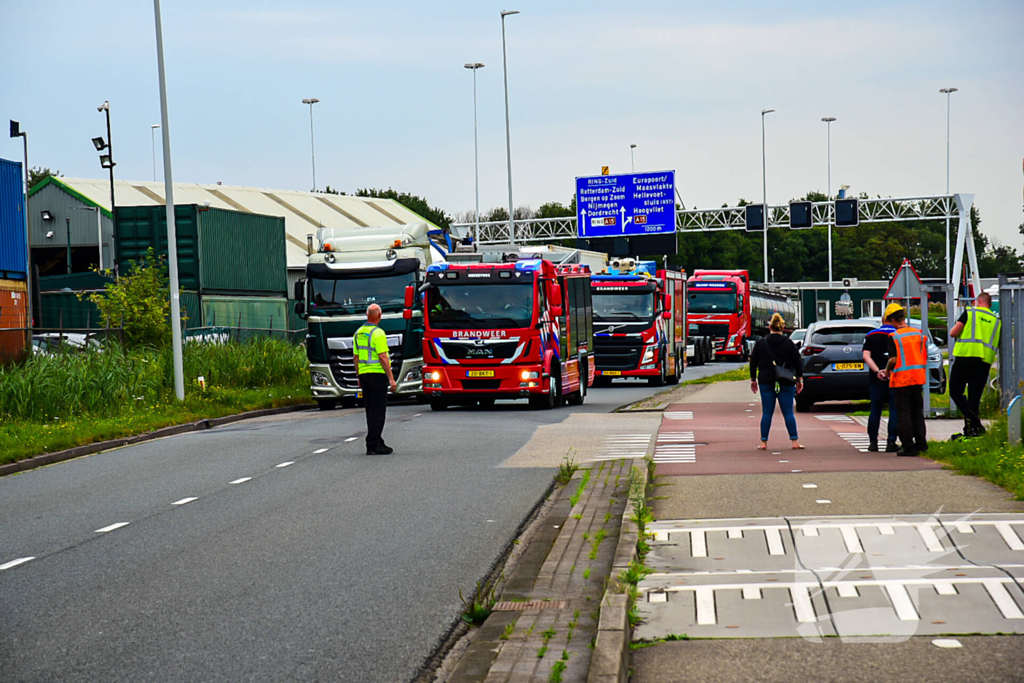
x: 911, y: 358
x: 980, y: 337
x: 369, y: 360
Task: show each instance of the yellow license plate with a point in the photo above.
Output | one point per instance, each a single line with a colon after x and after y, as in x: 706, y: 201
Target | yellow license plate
x: 847, y: 366
x: 359, y: 394
x: 611, y: 373
x: 480, y: 373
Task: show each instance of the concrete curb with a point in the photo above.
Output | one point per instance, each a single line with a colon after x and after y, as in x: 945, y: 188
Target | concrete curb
x: 610, y: 660
x: 88, y: 449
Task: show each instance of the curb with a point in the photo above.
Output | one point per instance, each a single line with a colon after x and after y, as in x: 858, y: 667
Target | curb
x: 610, y: 660
x: 89, y: 449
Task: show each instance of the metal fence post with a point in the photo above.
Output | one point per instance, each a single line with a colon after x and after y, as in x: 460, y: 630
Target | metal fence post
x: 1013, y: 421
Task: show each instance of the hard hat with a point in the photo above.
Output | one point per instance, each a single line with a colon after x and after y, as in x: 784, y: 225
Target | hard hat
x: 890, y: 309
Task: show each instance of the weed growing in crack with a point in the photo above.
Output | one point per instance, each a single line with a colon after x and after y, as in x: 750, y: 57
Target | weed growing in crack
x: 476, y: 610
x: 507, y: 633
x: 579, y: 491
x: 567, y: 468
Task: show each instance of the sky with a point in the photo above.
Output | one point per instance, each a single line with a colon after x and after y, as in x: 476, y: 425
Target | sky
x: 683, y: 81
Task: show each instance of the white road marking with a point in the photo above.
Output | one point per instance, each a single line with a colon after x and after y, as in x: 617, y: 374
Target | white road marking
x: 858, y: 440
x: 795, y: 471
x: 901, y: 602
x: 823, y: 501
x: 15, y: 563
x: 242, y: 480
x: 705, y: 605
x: 735, y: 533
x: 850, y: 538
x: 183, y: 501
x: 118, y: 525
x: 1005, y: 603
x: 285, y: 464
x: 1009, y: 535
x: 698, y: 544
x: 810, y: 486
x: 751, y: 593
x: 351, y: 438
x: 810, y: 530
x: 945, y: 588
x: 774, y: 539
x: 657, y: 597
x: 320, y: 450
x: 927, y: 532
x: 965, y: 528
x: 802, y: 606
x: 886, y: 530
x: 834, y: 418
x: 949, y: 643
x: 847, y: 590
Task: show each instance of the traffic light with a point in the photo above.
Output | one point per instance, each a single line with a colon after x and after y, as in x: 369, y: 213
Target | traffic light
x: 847, y: 213
x: 800, y: 215
x: 754, y: 217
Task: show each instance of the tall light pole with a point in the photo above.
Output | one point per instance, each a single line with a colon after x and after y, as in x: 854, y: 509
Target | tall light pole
x: 107, y: 162
x: 152, y: 135
x: 508, y: 135
x: 476, y: 148
x: 172, y: 238
x: 764, y: 190
x: 947, y: 92
x: 632, y: 161
x: 17, y: 132
x: 311, y: 101
x: 828, y: 123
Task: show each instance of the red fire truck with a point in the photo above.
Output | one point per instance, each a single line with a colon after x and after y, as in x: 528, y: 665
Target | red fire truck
x: 726, y: 305
x: 518, y: 328
x: 639, y: 322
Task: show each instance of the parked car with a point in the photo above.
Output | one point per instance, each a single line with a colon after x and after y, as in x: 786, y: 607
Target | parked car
x: 52, y: 342
x: 798, y: 336
x: 834, y: 367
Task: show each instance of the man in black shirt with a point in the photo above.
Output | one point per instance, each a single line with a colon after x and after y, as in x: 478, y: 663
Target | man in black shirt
x: 875, y: 354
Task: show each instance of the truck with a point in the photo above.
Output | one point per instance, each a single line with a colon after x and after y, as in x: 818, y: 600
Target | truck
x: 735, y: 312
x: 509, y: 326
x: 639, y: 322
x: 351, y: 269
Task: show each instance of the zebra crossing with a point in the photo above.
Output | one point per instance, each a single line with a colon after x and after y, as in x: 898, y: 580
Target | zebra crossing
x: 675, y: 447
x: 615, y: 446
x: 834, y: 418
x: 678, y: 415
x: 858, y: 440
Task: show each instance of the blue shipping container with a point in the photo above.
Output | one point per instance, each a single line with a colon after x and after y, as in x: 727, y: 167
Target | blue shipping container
x: 13, y: 252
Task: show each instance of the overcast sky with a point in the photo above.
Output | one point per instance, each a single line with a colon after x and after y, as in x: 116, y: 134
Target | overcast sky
x: 684, y: 81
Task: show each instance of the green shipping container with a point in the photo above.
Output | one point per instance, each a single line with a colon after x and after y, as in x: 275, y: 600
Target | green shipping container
x: 218, y: 250
x: 247, y: 316
x: 63, y: 310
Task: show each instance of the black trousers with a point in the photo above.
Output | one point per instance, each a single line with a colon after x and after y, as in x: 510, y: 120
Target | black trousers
x: 910, y: 409
x: 375, y: 398
x: 970, y: 374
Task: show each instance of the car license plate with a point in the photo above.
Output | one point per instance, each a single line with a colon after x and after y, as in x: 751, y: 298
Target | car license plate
x: 359, y: 394
x: 611, y: 373
x: 847, y: 366
x: 480, y: 373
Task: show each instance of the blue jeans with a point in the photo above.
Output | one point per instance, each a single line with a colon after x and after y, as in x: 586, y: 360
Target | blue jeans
x: 770, y: 393
x: 881, y: 396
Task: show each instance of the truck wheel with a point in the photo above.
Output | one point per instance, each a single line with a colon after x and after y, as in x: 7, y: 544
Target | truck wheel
x: 803, y: 405
x: 327, y: 404
x: 660, y: 379
x: 438, y: 404
x: 551, y: 399
x: 677, y: 373
x: 577, y: 397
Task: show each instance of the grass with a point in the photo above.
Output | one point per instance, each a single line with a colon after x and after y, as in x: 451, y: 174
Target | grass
x: 735, y: 375
x: 51, y: 403
x: 567, y: 468
x: 988, y: 457
x: 598, y: 537
x: 640, y: 644
x: 507, y: 633
x: 579, y: 491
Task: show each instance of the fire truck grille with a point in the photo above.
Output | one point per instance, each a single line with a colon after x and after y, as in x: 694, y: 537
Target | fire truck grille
x: 617, y: 353
x: 344, y: 368
x: 461, y: 350
x: 716, y: 330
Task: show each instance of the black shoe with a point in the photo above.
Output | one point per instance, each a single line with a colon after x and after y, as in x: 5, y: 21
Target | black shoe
x: 908, y: 454
x: 873, y: 445
x: 978, y: 430
x: 380, y: 450
x: 892, y: 447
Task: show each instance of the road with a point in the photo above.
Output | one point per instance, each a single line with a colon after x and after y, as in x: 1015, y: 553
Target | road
x: 271, y: 549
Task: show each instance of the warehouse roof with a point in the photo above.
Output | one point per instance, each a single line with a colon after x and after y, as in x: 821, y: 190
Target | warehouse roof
x: 303, y: 212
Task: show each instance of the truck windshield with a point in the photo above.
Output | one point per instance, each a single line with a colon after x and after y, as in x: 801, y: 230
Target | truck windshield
x: 484, y: 306
x: 354, y: 295
x: 623, y: 305
x: 712, y: 302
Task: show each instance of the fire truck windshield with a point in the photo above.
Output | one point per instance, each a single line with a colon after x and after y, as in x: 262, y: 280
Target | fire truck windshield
x: 704, y: 301
x: 482, y: 306
x: 354, y: 295
x: 623, y: 305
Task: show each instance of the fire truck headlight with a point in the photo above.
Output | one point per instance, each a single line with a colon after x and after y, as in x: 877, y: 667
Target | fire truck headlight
x: 732, y: 341
x: 414, y: 375
x: 320, y: 379
x: 649, y: 355
x: 433, y: 376
x: 529, y: 374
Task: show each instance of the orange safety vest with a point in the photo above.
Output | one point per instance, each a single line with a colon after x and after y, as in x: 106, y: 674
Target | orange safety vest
x: 911, y: 358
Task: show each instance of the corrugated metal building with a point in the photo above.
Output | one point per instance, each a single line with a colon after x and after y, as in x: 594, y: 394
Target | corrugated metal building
x: 13, y: 255
x: 303, y: 212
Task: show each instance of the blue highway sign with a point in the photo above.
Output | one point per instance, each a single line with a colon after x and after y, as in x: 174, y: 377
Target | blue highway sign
x: 629, y: 204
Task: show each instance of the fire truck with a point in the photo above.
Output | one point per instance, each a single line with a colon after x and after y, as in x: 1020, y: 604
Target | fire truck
x: 727, y: 306
x: 639, y: 322
x: 519, y: 327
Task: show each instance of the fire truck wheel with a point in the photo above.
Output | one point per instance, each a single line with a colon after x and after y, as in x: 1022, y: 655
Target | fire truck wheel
x: 438, y: 404
x: 577, y: 397
x: 660, y: 380
x: 326, y: 405
x: 674, y: 377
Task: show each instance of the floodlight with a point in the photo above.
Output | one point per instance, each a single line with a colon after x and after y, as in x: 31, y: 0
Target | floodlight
x: 99, y: 143
x: 46, y: 215
x: 106, y: 161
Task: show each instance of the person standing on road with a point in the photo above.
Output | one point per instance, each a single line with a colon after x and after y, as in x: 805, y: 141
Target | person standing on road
x: 876, y: 356
x: 907, y: 371
x: 977, y: 332
x: 373, y: 365
x: 777, y: 373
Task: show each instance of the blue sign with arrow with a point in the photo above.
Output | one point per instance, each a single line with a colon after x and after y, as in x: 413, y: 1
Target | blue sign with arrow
x: 629, y: 204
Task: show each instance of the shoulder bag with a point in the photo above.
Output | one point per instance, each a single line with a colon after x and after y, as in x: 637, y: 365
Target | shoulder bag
x: 781, y: 371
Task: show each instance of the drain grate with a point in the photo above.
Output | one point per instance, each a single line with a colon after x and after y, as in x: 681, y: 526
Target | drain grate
x: 533, y: 604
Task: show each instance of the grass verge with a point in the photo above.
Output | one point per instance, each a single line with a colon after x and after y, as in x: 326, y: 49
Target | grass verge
x: 988, y: 457
x: 735, y: 375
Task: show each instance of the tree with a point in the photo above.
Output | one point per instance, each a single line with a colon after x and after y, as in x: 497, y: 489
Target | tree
x: 412, y: 202
x: 555, y: 210
x: 38, y: 174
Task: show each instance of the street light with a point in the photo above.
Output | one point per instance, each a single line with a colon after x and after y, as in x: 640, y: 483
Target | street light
x: 311, y: 101
x: 632, y: 161
x: 476, y: 150
x: 152, y: 135
x: 828, y: 123
x: 947, y: 92
x: 17, y: 132
x: 508, y: 136
x: 107, y: 162
x: 764, y: 189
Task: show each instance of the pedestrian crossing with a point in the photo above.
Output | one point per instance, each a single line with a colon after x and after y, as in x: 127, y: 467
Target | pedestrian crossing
x: 615, y: 446
x: 858, y: 440
x: 834, y: 418
x: 678, y: 415
x: 675, y: 447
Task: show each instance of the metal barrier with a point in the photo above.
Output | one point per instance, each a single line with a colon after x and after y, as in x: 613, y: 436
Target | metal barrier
x: 1011, y: 343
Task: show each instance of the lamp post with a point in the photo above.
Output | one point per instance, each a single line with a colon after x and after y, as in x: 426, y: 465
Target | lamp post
x: 947, y: 92
x: 632, y: 161
x: 311, y: 101
x: 476, y: 150
x: 15, y: 131
x: 152, y: 135
x: 508, y: 136
x: 828, y: 123
x: 107, y: 162
x: 764, y: 190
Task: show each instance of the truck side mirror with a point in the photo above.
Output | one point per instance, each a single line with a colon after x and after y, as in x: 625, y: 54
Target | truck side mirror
x: 300, y: 308
x: 556, y: 293
x: 410, y: 297
x: 666, y: 314
x: 556, y: 311
x: 300, y: 290
x: 668, y: 303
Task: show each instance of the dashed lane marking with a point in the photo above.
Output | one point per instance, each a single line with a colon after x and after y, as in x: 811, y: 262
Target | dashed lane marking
x: 351, y: 438
x: 112, y: 527
x: 242, y: 480
x: 320, y: 450
x: 184, y: 501
x: 15, y: 563
x: 285, y: 464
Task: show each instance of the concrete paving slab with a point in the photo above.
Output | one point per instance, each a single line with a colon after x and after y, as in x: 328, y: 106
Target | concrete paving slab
x: 584, y: 436
x: 723, y: 392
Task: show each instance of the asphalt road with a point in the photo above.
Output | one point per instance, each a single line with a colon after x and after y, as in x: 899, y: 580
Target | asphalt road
x: 298, y: 558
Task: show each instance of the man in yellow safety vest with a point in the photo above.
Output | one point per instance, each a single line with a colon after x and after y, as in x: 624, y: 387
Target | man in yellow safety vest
x: 977, y: 332
x: 373, y: 365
